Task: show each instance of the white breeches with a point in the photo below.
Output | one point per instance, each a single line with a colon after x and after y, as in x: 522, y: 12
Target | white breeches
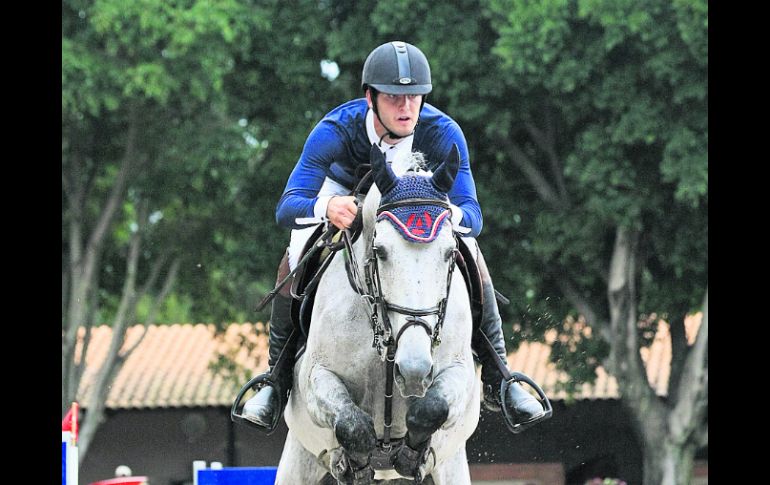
x: 299, y: 237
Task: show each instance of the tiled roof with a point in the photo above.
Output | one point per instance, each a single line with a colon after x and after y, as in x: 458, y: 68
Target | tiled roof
x: 532, y: 359
x: 171, y: 367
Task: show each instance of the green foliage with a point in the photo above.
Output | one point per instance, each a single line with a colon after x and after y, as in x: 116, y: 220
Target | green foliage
x: 683, y: 165
x: 627, y: 84
x: 225, y: 93
x: 580, y: 353
x: 175, y: 309
x: 116, y: 51
x: 158, y: 67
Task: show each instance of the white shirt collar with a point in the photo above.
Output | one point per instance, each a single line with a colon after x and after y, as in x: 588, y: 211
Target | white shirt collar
x: 404, y: 145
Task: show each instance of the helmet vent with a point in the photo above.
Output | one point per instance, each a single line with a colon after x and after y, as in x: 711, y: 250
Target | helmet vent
x: 404, y: 73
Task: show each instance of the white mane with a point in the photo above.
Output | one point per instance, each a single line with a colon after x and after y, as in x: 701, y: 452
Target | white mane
x: 410, y: 162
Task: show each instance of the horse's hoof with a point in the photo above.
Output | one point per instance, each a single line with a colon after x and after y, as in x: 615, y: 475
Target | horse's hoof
x: 347, y: 471
x: 407, y: 461
x: 354, y: 430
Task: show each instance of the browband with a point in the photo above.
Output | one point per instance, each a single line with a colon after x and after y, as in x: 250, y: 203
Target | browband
x: 412, y: 202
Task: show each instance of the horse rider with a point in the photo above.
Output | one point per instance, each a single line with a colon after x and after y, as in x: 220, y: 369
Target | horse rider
x: 394, y: 115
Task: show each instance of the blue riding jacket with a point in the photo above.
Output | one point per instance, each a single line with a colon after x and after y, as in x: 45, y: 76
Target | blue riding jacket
x: 339, y: 144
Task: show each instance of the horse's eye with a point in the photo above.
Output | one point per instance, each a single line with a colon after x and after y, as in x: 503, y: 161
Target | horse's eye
x: 380, y: 253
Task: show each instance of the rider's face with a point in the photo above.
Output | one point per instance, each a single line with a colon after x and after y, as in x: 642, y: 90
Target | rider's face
x: 399, y: 112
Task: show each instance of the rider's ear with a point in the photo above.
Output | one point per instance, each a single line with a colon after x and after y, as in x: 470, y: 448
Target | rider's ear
x: 444, y: 176
x: 383, y: 174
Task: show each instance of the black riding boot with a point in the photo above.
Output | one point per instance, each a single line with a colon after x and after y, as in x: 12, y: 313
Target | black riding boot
x: 521, y: 404
x: 262, y: 408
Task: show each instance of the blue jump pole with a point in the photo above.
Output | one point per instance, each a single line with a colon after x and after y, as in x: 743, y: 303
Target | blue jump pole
x: 235, y: 475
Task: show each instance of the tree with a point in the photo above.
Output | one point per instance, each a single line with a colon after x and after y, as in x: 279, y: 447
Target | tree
x: 587, y: 126
x: 586, y: 122
x: 612, y: 138
x: 150, y: 162
x: 180, y: 125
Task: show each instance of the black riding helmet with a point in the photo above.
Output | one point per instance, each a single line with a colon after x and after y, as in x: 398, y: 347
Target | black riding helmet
x: 396, y: 68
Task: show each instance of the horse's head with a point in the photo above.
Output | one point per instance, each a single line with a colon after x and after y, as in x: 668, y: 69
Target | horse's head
x: 411, y: 261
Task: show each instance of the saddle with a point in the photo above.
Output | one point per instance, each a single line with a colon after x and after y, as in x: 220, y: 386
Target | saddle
x: 305, y: 282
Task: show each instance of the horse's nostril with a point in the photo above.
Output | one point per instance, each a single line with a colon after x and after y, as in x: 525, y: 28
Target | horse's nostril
x: 399, y: 377
x: 414, y: 370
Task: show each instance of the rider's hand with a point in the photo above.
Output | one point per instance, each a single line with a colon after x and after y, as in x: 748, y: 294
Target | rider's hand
x: 342, y: 210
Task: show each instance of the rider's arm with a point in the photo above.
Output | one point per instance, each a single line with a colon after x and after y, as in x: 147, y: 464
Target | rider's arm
x: 463, y: 192
x: 300, y: 197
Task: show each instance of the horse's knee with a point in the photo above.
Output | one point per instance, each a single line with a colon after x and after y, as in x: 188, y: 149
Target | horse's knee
x: 354, y: 430
x: 426, y: 415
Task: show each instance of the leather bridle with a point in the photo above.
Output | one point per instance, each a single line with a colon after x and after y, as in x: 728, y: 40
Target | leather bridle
x: 369, y: 288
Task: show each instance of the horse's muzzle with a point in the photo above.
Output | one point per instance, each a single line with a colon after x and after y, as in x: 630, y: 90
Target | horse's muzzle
x: 413, y: 377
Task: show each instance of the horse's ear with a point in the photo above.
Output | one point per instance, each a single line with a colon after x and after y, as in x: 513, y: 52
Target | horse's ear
x: 383, y: 174
x: 444, y: 176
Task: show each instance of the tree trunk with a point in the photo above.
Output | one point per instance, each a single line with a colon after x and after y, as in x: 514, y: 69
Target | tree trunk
x: 84, y: 257
x: 667, y: 428
x: 94, y: 413
x: 115, y: 359
x: 672, y: 429
x: 669, y: 464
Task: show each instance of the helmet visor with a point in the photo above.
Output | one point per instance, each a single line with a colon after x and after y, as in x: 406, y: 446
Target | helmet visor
x: 403, y: 88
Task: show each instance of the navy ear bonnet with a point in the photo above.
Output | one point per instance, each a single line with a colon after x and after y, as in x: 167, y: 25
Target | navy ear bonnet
x: 416, y: 223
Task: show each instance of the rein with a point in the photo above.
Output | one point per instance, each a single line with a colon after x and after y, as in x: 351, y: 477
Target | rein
x: 325, y: 241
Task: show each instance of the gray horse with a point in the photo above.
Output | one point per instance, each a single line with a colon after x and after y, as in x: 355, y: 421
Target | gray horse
x: 407, y: 296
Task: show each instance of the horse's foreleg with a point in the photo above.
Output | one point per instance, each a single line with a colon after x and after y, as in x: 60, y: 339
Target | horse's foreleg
x: 452, y: 471
x: 330, y: 406
x: 297, y: 465
x: 442, y: 404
